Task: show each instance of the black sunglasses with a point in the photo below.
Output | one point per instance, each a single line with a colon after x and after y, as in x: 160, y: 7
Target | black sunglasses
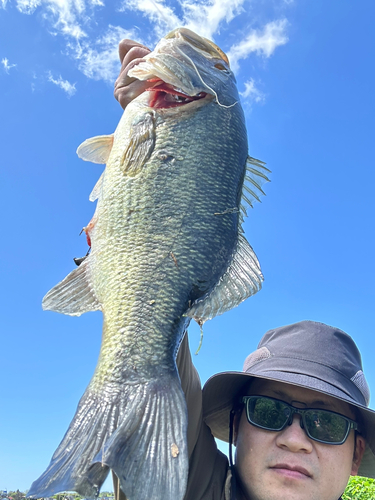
x: 323, y: 426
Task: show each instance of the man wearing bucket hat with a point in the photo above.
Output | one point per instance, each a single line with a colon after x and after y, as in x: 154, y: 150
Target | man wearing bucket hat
x: 297, y: 414
x: 303, y: 426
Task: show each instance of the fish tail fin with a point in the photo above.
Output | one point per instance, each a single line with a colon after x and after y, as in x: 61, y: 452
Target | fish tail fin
x: 151, y: 461
x: 138, y: 430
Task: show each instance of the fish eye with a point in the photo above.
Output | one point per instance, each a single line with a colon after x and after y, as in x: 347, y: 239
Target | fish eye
x: 221, y: 67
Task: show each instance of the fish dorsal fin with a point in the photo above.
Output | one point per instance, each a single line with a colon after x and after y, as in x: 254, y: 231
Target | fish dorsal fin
x: 97, y: 189
x: 255, y: 176
x: 140, y: 146
x: 242, y: 279
x: 73, y: 295
x: 96, y: 149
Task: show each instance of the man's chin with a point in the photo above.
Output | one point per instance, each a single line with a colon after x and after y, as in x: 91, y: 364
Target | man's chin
x: 280, y: 485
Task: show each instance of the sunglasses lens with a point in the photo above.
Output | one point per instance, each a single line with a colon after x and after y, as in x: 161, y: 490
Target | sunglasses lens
x: 321, y: 425
x: 267, y: 413
x: 326, y: 426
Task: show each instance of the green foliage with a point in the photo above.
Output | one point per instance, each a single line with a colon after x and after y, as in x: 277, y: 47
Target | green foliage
x: 360, y: 488
x: 67, y: 496
x: 16, y: 495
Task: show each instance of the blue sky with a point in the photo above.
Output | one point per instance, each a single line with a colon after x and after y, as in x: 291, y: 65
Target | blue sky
x: 306, y: 74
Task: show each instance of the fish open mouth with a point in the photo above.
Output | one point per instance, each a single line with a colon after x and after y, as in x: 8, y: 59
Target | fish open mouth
x: 164, y: 95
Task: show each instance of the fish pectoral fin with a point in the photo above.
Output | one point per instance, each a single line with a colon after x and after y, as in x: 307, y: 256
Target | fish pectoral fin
x: 140, y: 146
x: 95, y: 193
x: 73, y: 295
x: 96, y: 149
x: 242, y: 279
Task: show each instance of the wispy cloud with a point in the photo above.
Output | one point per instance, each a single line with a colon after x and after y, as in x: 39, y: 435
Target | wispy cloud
x: 7, y: 66
x: 3, y: 3
x: 27, y: 6
x: 65, y: 16
x: 73, y: 19
x: 207, y: 17
x: 262, y: 42
x: 252, y: 93
x: 99, y: 59
x: 160, y: 14
x: 65, y: 85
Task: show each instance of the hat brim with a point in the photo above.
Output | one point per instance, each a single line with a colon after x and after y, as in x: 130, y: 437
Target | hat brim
x: 221, y: 390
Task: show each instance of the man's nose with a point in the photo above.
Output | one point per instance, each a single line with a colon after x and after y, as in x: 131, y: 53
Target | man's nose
x: 294, y: 438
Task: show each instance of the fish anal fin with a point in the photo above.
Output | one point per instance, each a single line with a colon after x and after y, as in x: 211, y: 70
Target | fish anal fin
x: 96, y: 149
x: 140, y: 146
x: 242, y: 278
x: 73, y: 295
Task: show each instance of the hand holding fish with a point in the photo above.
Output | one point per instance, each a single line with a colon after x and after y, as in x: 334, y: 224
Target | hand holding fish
x: 126, y: 87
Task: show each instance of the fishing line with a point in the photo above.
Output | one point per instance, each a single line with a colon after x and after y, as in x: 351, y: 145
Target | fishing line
x: 204, y: 83
x: 161, y: 13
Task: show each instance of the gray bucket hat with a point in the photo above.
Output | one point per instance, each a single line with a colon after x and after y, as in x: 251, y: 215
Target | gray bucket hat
x: 307, y: 354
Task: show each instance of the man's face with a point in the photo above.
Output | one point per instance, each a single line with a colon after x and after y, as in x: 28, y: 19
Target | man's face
x: 288, y: 464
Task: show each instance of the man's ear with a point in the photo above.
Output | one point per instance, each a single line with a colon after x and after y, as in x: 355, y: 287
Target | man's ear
x: 359, y: 449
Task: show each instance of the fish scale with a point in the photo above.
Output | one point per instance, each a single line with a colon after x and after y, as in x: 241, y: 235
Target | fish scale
x: 166, y: 246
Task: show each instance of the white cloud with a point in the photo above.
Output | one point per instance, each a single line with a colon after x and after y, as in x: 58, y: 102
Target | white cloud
x: 69, y: 88
x: 157, y: 11
x: 99, y: 60
x: 7, y: 66
x: 262, y: 42
x: 205, y: 17
x: 3, y: 3
x: 28, y: 6
x: 252, y: 93
x: 66, y: 16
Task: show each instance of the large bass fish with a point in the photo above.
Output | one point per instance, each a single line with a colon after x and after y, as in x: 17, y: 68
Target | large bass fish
x: 166, y: 246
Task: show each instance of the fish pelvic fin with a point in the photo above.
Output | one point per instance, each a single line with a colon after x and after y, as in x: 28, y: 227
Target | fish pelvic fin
x: 96, y: 149
x: 242, y: 278
x: 95, y: 193
x: 137, y: 430
x: 74, y: 294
